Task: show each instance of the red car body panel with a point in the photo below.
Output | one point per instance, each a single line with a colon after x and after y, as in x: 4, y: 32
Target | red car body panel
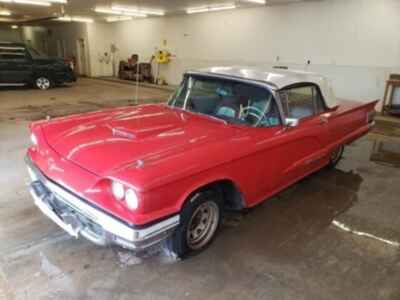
x: 165, y: 154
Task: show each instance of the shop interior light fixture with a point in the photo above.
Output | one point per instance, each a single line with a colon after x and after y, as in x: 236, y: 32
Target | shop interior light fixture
x: 118, y: 19
x: 74, y: 19
x: 120, y: 13
x: 35, y: 2
x: 202, y: 9
x: 5, y: 13
x: 136, y: 10
x: 257, y: 1
x: 28, y: 2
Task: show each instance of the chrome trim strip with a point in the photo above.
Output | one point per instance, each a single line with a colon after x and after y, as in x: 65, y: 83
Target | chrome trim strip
x: 12, y: 84
x: 108, y: 223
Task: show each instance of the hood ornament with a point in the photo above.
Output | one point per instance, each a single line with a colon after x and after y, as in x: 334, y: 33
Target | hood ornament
x: 139, y: 164
x: 123, y: 133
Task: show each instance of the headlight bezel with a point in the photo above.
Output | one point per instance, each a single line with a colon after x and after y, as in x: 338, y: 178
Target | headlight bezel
x: 124, y: 194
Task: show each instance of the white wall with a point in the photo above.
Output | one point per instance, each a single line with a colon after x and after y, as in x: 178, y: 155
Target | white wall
x: 100, y: 37
x: 354, y: 42
x: 10, y: 35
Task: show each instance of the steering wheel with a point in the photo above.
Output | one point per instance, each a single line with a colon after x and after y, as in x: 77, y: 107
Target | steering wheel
x: 255, y: 112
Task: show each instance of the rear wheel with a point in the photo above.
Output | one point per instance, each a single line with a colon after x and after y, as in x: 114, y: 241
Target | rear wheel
x: 200, y: 219
x: 336, y: 156
x: 43, y: 83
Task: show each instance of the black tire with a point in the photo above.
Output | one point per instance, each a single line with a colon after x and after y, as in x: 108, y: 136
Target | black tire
x: 336, y: 156
x: 43, y: 82
x: 181, y: 242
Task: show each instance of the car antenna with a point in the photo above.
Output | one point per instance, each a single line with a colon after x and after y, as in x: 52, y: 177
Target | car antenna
x: 137, y: 84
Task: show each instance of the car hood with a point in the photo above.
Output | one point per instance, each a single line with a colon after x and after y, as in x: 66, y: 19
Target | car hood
x: 106, y: 142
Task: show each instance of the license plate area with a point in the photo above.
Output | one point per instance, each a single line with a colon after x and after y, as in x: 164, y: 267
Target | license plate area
x: 48, y: 211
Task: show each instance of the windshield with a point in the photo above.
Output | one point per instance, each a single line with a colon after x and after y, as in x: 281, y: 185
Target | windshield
x: 36, y: 53
x: 228, y: 100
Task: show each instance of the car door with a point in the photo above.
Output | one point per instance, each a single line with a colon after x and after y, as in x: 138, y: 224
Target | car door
x: 304, y: 145
x: 15, y: 65
x: 275, y: 155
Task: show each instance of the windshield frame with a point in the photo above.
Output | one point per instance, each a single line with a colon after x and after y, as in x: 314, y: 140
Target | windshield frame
x: 256, y: 83
x: 37, y: 54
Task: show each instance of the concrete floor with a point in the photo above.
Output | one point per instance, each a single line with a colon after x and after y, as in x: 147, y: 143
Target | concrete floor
x: 334, y: 235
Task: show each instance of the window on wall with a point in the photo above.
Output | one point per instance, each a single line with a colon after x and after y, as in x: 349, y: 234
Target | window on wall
x: 302, y: 102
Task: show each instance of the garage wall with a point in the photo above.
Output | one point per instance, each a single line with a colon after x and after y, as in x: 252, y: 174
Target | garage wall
x: 354, y: 42
x: 101, y: 37
x: 63, y: 42
x: 8, y: 34
x: 36, y: 36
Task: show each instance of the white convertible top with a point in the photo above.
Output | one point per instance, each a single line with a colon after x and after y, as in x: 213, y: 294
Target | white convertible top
x: 276, y: 78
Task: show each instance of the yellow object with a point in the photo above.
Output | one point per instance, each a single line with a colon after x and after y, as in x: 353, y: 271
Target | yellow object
x: 163, y: 57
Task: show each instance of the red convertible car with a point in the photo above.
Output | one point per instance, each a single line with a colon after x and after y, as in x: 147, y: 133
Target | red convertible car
x: 228, y: 138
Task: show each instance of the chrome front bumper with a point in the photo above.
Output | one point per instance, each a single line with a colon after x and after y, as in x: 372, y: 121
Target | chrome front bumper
x: 79, y: 217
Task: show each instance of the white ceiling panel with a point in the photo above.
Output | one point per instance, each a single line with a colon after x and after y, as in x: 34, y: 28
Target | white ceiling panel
x: 85, y: 8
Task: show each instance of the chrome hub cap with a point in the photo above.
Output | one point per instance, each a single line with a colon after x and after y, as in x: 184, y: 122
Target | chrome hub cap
x: 43, y: 83
x: 202, y: 225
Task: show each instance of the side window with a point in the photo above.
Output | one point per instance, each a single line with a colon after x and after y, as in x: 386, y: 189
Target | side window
x: 10, y: 53
x: 271, y: 115
x: 302, y: 102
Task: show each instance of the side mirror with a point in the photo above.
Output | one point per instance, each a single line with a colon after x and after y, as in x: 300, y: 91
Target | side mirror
x: 292, y: 122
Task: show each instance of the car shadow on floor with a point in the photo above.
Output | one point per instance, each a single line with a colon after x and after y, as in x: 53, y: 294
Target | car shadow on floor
x: 294, y: 217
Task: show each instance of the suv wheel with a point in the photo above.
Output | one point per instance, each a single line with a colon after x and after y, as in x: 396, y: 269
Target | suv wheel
x: 43, y: 83
x: 200, y: 219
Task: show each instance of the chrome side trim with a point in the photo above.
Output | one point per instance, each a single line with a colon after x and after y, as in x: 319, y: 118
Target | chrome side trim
x: 108, y: 223
x: 12, y: 84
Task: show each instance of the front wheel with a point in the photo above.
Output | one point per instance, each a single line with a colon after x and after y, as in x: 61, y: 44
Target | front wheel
x: 336, y: 156
x: 200, y: 219
x: 43, y: 83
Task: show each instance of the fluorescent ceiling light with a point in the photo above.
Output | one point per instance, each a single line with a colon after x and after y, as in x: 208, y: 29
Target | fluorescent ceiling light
x: 257, y: 1
x: 135, y: 10
x: 5, y: 13
x: 118, y: 19
x: 35, y: 2
x: 30, y: 2
x: 120, y: 13
x: 14, y: 27
x: 75, y: 19
x: 195, y: 10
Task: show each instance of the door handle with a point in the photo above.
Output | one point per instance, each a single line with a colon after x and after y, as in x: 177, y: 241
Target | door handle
x: 324, y: 118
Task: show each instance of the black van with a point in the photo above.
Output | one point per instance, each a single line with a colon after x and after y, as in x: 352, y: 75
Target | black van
x: 23, y: 65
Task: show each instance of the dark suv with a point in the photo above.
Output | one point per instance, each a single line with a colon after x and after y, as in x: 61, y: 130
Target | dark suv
x: 23, y: 65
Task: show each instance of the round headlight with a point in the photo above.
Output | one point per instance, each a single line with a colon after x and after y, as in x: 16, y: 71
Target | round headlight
x: 34, y: 139
x: 131, y: 199
x: 118, y: 190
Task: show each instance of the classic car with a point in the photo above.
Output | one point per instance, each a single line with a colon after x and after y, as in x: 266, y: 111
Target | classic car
x: 23, y: 65
x: 228, y: 138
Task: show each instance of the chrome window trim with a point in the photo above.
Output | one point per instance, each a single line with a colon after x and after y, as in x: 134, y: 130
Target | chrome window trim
x: 272, y: 88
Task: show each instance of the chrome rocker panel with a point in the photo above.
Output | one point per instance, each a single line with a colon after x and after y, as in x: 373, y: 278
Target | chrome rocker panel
x: 79, y: 218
